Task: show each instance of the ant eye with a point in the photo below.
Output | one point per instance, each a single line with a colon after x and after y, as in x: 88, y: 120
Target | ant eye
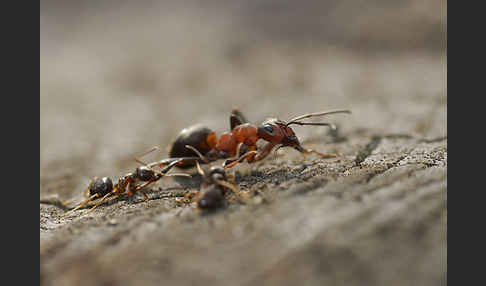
x: 268, y: 128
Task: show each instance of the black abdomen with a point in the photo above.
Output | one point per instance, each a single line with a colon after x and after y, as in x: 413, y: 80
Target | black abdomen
x: 195, y: 136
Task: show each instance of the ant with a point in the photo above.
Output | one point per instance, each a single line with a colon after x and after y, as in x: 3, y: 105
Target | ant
x: 213, y: 188
x: 104, y: 187
x: 204, y: 142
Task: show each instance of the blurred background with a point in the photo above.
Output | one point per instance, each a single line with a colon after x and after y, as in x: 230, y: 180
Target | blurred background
x: 118, y: 77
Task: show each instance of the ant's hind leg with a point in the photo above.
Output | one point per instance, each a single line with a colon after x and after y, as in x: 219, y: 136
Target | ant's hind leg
x: 203, y: 158
x: 176, y: 162
x: 237, y: 118
x: 308, y: 151
x: 143, y: 186
x: 163, y: 172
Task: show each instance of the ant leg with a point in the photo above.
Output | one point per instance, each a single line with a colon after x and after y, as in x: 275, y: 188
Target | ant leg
x: 308, y: 151
x: 82, y: 204
x: 199, y: 170
x: 164, y: 171
x: 143, y: 186
x: 175, y: 163
x: 133, y: 190
x: 66, y: 203
x: 255, y: 156
x: 85, y: 193
x: 267, y: 149
x: 169, y: 161
x: 203, y: 158
x: 55, y: 201
x: 145, y: 196
x: 242, y: 197
x: 98, y: 203
x: 242, y: 149
x: 138, y: 188
x: 178, y: 175
x: 229, y: 164
x: 192, y: 195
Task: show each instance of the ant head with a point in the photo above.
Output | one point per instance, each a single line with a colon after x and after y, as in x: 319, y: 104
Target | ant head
x: 216, y: 173
x: 144, y: 173
x: 101, y: 186
x: 276, y: 131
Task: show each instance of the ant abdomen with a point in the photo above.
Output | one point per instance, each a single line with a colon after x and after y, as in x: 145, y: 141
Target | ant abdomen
x: 212, y: 198
x: 198, y: 136
x: 101, y: 186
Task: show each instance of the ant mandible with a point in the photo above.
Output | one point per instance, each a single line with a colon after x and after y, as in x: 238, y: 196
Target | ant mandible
x: 104, y: 188
x: 204, y: 142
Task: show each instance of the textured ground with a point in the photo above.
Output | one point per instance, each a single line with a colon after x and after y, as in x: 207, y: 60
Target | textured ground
x: 117, y: 80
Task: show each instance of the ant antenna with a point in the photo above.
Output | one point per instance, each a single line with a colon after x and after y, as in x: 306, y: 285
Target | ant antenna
x: 332, y: 126
x: 137, y: 158
x: 82, y: 204
x: 295, y: 120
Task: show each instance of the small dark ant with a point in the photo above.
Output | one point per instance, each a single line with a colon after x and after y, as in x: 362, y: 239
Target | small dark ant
x: 205, y: 144
x: 213, y: 189
x: 104, y: 187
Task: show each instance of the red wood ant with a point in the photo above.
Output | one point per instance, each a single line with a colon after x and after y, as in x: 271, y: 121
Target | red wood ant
x: 104, y: 188
x: 204, y: 142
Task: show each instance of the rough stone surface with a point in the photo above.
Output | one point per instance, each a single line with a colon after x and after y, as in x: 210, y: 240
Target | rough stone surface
x: 115, y: 82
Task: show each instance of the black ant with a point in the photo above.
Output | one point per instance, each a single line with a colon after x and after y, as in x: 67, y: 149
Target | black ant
x: 213, y: 188
x: 205, y: 144
x: 104, y: 187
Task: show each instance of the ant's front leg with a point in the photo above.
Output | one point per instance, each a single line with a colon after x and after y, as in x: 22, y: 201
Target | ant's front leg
x: 81, y: 204
x: 267, y: 148
x: 308, y: 151
x: 99, y: 203
x: 252, y: 156
x: 242, y: 152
